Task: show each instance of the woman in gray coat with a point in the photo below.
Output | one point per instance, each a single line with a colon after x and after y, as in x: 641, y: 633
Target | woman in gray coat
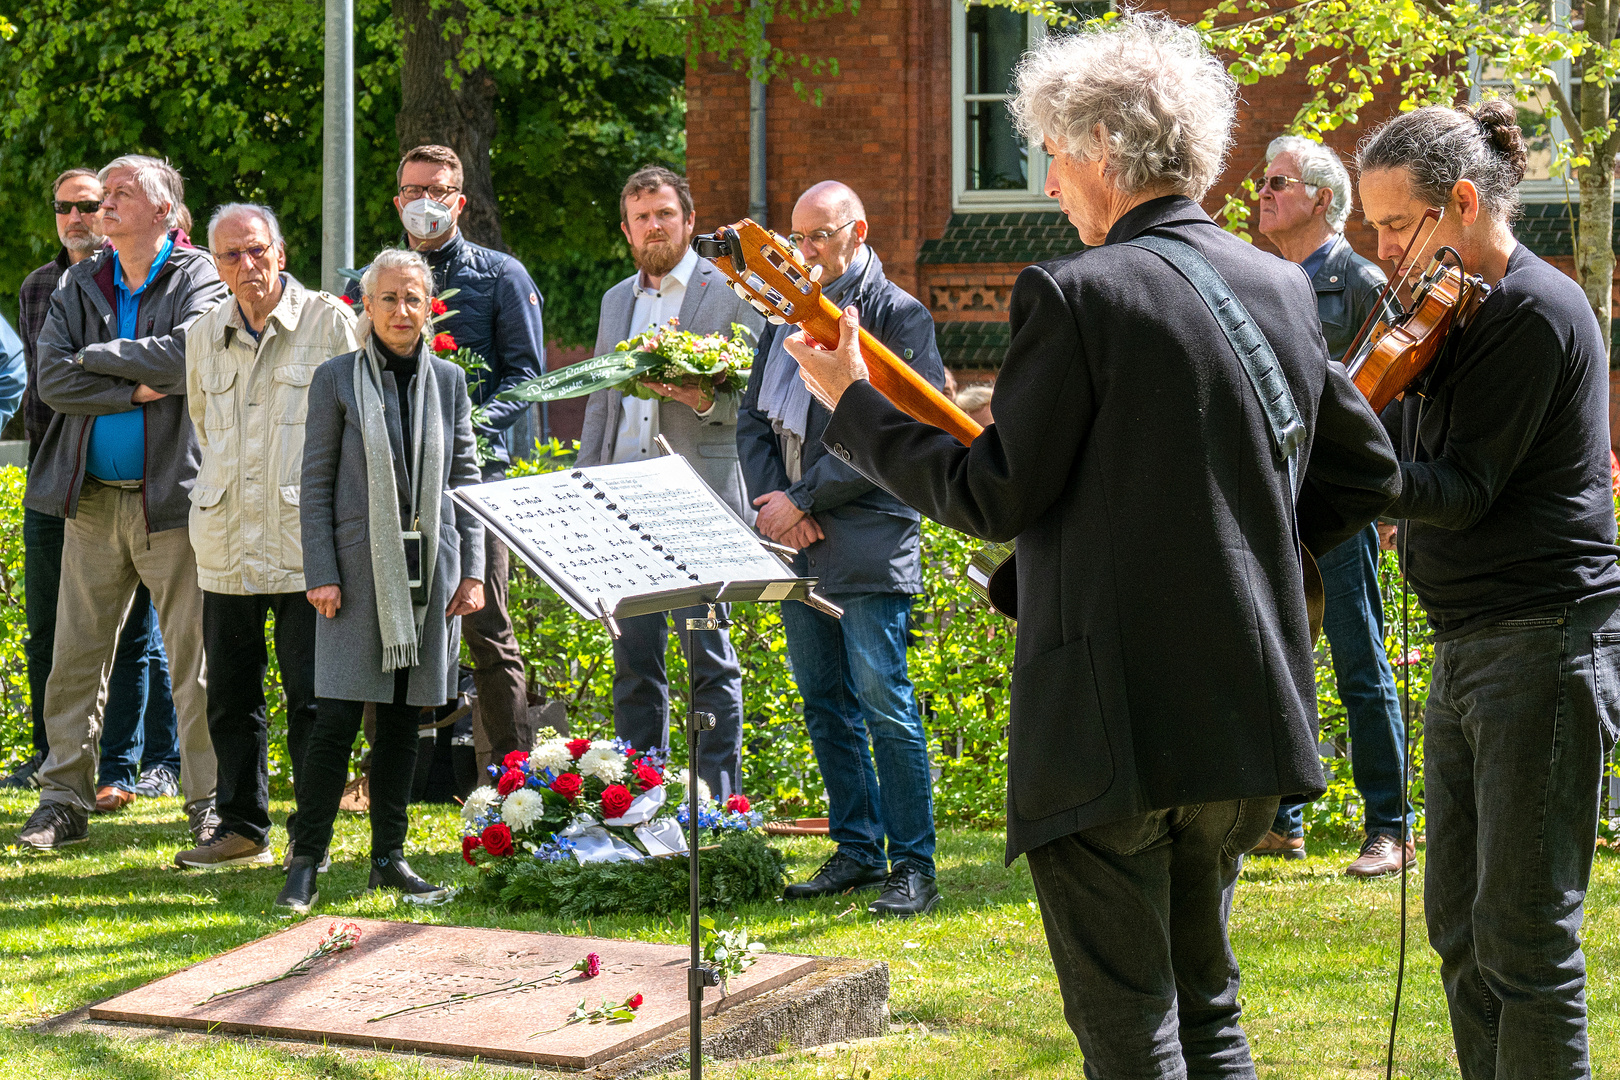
x: 390, y: 562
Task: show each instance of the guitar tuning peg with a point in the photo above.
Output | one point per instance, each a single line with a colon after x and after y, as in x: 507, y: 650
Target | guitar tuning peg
x: 742, y: 292
x: 815, y: 272
x: 775, y: 320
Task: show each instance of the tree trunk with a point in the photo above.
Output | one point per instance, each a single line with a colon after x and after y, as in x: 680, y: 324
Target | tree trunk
x: 432, y: 110
x: 1594, y: 249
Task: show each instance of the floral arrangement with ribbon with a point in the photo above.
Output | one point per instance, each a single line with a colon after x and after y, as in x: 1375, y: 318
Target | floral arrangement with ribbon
x: 713, y: 363
x: 592, y: 801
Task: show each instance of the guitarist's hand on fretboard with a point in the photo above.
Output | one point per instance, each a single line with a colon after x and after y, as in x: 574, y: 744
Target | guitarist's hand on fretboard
x: 829, y: 372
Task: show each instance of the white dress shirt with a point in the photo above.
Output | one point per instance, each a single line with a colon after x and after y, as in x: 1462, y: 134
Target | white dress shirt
x: 638, y: 427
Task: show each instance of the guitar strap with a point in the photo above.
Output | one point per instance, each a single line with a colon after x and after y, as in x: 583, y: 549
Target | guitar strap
x: 1254, y: 352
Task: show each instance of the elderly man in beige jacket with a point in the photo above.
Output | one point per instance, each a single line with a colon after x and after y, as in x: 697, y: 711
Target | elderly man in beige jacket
x: 248, y: 366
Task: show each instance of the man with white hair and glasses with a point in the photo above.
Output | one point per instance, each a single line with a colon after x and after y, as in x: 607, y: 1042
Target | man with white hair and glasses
x: 249, y: 362
x: 118, y: 461
x: 1304, y: 203
x: 1148, y: 472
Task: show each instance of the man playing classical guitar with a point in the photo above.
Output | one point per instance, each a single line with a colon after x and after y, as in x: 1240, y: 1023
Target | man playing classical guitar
x: 1164, y: 696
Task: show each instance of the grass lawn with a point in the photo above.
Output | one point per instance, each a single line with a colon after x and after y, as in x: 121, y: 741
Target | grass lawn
x: 972, y: 985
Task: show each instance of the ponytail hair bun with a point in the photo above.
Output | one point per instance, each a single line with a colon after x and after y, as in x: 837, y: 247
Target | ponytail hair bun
x: 1499, y: 123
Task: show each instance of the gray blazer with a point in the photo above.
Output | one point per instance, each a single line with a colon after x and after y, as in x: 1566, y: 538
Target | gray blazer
x: 709, y: 443
x: 334, y: 513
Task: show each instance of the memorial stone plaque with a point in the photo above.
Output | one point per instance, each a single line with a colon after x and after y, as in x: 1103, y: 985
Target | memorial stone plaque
x: 397, y: 965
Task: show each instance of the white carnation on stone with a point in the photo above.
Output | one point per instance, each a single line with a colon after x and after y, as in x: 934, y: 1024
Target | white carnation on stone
x: 551, y: 755
x: 603, y: 762
x: 522, y: 809
x: 478, y: 802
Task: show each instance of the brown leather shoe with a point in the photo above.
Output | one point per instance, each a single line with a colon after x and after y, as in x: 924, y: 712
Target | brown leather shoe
x: 110, y: 800
x: 1380, y: 855
x: 1280, y: 846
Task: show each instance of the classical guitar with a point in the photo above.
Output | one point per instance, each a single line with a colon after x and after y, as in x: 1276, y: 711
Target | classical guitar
x: 765, y: 271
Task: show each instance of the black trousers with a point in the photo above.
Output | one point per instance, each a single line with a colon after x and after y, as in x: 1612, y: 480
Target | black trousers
x: 1135, y: 914
x: 326, y: 770
x: 234, y: 643
x: 502, y: 718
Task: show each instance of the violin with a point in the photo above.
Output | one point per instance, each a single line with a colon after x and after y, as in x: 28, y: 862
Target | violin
x: 1402, y: 348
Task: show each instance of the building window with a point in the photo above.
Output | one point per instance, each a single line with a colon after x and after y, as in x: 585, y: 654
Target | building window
x: 1539, y: 119
x: 993, y: 167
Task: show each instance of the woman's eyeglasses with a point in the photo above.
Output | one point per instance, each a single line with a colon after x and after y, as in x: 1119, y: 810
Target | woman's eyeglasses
x: 83, y: 206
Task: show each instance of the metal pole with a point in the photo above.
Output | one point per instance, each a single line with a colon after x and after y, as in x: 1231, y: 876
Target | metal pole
x: 756, y: 133
x: 337, y: 160
x: 697, y: 976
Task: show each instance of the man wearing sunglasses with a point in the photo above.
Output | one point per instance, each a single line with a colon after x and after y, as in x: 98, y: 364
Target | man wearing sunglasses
x: 497, y: 316
x: 139, y: 756
x: 249, y: 362
x: 1304, y: 203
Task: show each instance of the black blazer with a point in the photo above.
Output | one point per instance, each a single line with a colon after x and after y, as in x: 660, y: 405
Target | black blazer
x: 1163, y: 656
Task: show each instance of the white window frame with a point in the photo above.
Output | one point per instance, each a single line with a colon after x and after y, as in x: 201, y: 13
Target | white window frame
x: 1553, y: 189
x: 1004, y: 201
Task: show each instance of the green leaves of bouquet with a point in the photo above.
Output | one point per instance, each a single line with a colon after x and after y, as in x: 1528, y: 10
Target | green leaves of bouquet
x: 713, y: 363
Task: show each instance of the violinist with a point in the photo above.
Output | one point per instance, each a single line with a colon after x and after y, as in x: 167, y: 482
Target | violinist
x: 1304, y: 203
x: 1508, y: 540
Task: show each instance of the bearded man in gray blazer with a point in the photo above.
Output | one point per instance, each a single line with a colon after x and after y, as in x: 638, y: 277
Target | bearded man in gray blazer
x: 671, y: 281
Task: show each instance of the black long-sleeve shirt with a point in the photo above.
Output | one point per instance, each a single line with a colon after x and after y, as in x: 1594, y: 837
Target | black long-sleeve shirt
x: 1506, y: 486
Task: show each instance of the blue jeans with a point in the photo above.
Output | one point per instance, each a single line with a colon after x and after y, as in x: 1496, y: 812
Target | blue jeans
x: 141, y: 729
x: 1520, y: 717
x: 1354, y: 625
x: 851, y: 673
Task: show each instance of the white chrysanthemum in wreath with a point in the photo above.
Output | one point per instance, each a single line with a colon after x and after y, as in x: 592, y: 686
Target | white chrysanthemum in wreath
x: 478, y: 802
x: 703, y: 789
x: 551, y: 755
x: 522, y: 809
x: 603, y: 762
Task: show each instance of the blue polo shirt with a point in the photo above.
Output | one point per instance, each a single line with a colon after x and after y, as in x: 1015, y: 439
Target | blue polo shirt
x: 117, y: 449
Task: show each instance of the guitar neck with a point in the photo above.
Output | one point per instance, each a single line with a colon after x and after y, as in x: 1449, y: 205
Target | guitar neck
x: 894, y: 378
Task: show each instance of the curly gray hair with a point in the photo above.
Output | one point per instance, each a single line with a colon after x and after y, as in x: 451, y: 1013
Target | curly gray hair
x: 1164, y: 106
x: 396, y: 259
x: 1320, y: 168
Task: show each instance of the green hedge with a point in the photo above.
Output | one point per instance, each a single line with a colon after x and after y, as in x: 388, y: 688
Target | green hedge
x: 959, y: 662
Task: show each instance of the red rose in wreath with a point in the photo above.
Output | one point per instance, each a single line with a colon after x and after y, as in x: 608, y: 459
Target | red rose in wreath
x: 515, y: 759
x: 444, y: 343
x: 577, y: 747
x: 648, y: 776
x: 568, y: 785
x: 470, y: 844
x: 510, y: 781
x: 616, y: 800
x: 738, y: 803
x: 497, y: 840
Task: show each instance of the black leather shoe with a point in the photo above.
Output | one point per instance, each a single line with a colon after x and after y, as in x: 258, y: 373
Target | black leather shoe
x: 907, y: 892
x: 299, y: 893
x: 839, y: 874
x: 391, y: 871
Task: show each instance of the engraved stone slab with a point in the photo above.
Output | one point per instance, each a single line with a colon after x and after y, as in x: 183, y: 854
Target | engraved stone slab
x: 401, y: 964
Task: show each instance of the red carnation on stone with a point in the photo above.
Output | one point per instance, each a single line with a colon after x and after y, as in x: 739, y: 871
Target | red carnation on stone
x: 439, y: 306
x: 616, y: 800
x: 738, y: 803
x: 444, y: 343
x: 510, y: 781
x: 470, y: 844
x: 497, y: 840
x: 633, y: 1001
x: 648, y: 776
x: 568, y: 785
x: 515, y: 759
x: 577, y: 747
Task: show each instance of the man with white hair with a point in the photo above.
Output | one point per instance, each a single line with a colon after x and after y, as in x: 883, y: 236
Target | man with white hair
x: 248, y: 366
x: 117, y: 461
x: 1156, y: 405
x: 1304, y: 203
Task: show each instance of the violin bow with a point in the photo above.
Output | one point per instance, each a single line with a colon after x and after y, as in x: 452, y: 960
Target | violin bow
x: 1434, y: 214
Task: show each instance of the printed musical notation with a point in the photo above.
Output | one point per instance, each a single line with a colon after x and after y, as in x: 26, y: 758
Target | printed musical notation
x: 604, y: 534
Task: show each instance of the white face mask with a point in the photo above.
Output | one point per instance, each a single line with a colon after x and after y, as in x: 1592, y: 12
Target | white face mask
x: 426, y: 219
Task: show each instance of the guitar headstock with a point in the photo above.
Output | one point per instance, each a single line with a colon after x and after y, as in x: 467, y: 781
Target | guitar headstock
x: 764, y: 270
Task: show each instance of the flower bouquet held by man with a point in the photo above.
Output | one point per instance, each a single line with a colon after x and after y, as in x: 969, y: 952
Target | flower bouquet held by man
x: 651, y: 362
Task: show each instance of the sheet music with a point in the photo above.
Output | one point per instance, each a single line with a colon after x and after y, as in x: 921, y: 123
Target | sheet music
x: 602, y: 534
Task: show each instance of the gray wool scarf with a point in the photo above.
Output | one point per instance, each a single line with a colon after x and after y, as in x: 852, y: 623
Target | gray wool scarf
x: 401, y: 611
